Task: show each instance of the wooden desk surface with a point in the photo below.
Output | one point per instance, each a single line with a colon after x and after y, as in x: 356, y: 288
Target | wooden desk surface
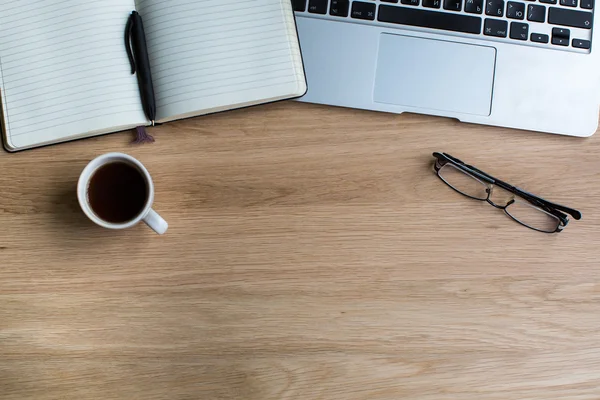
x: 312, y: 254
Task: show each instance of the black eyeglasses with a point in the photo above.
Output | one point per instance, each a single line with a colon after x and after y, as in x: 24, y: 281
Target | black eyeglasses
x: 525, y: 208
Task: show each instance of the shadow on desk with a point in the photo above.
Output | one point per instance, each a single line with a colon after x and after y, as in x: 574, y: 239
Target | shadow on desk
x: 75, y: 227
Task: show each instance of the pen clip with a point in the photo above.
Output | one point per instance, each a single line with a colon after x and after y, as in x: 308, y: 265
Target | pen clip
x: 128, y: 30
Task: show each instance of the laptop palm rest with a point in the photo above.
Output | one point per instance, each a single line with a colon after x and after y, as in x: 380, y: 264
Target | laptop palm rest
x: 435, y: 75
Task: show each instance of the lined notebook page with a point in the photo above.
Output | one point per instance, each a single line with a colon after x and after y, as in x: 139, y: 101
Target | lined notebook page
x: 64, y: 70
x: 213, y: 55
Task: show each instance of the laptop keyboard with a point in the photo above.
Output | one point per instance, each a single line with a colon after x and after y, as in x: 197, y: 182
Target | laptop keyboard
x: 557, y: 24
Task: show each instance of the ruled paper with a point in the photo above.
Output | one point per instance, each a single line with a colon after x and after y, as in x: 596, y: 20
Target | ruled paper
x: 213, y: 55
x: 64, y: 70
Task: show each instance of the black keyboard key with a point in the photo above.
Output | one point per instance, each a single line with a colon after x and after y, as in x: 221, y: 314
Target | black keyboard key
x: 299, y: 5
x: 581, y: 44
x: 560, y: 36
x: 474, y: 6
x: 548, y: 1
x: 389, y: 1
x: 362, y: 10
x: 539, y: 38
x: 573, y: 18
x: 515, y: 10
x: 587, y: 4
x: 494, y: 8
x: 339, y: 8
x: 495, y: 27
x: 453, y: 5
x: 536, y: 13
x: 560, y: 41
x: 568, y: 3
x: 519, y: 31
x: 410, y: 2
x: 317, y: 6
x: 561, y: 32
x: 429, y: 19
x: 432, y: 3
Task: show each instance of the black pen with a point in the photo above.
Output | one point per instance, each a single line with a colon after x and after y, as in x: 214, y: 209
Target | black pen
x: 135, y: 43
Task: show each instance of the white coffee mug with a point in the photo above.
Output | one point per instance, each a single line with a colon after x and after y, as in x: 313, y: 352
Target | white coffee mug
x: 148, y: 215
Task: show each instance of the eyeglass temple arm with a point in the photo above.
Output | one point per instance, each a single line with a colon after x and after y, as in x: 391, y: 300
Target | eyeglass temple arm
x: 529, y: 196
x: 548, y: 205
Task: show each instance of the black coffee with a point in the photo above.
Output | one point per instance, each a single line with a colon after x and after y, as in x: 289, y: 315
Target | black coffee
x: 117, y: 192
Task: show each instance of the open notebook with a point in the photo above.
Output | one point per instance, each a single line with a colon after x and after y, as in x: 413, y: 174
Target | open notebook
x: 65, y: 73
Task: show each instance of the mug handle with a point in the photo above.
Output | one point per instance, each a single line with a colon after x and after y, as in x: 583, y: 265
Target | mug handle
x: 156, y: 222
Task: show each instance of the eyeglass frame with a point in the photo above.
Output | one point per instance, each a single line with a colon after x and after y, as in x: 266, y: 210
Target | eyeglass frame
x: 554, y: 209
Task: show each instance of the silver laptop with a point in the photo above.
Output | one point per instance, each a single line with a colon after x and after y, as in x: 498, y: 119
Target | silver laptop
x: 520, y: 64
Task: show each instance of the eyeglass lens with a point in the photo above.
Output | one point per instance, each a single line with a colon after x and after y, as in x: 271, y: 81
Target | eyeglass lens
x: 532, y: 216
x: 463, y: 182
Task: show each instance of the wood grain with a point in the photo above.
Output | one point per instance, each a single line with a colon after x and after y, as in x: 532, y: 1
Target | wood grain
x: 312, y: 254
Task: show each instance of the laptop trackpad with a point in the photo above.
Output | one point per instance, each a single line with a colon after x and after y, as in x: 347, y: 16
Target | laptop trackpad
x: 435, y: 74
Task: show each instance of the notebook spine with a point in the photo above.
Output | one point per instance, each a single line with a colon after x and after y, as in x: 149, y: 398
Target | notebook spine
x: 3, y: 114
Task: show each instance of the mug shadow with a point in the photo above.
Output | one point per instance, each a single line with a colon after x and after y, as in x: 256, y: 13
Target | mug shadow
x: 75, y: 231
x: 66, y: 209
